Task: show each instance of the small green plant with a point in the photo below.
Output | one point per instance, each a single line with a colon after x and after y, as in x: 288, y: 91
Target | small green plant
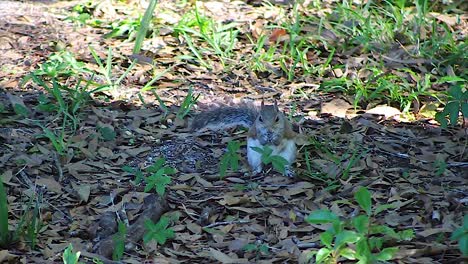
x: 230, y: 158
x: 457, y: 102
x: 82, y: 14
x: 119, y: 241
x: 107, y: 133
x: 221, y: 38
x: 126, y: 28
x: 57, y: 139
x: 60, y: 64
x: 359, y: 238
x: 158, y: 232
x: 440, y: 167
x: 34, y: 225
x: 158, y: 176
x: 279, y: 163
x: 106, y: 70
x: 4, y: 233
x: 70, y: 256
x: 461, y: 235
x: 187, y: 104
x: 29, y: 224
x: 66, y: 101
x: 139, y: 175
x: 258, y: 248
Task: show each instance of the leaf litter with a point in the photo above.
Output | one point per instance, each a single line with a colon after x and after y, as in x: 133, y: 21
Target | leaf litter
x: 417, y: 167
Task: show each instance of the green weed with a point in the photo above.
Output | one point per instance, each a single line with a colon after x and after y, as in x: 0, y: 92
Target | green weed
x: 60, y: 64
x: 119, y: 241
x: 4, y: 233
x: 358, y: 238
x: 279, y: 163
x: 220, y: 38
x: 155, y: 176
x: 158, y: 232
x: 70, y: 256
x: 457, y: 103
x: 461, y: 235
x: 189, y: 101
x: 106, y: 71
x: 258, y: 248
x: 230, y: 158
x: 126, y: 28
x: 29, y: 224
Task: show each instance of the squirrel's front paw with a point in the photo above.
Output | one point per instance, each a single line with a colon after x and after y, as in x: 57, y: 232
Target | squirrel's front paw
x: 257, y: 170
x: 289, y: 172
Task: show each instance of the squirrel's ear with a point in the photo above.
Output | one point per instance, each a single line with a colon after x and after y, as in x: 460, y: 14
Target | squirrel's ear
x: 276, y: 105
x: 263, y: 104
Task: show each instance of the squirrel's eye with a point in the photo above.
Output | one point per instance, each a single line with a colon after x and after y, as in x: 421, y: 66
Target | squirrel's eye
x: 277, y: 119
x: 260, y: 119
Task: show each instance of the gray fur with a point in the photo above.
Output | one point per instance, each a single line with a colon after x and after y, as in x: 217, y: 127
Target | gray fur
x: 223, y: 117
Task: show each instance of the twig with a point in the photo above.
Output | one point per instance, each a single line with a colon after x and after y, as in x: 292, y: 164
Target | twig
x: 304, y: 245
x: 227, y: 223
x: 406, y: 156
x: 58, y: 165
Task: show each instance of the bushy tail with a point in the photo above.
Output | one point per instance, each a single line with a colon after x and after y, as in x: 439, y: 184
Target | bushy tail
x: 225, y: 117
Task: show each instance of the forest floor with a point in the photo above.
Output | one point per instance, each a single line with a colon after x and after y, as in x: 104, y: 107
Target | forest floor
x: 66, y: 149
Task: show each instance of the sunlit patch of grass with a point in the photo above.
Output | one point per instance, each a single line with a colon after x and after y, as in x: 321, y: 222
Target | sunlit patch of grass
x: 207, y: 38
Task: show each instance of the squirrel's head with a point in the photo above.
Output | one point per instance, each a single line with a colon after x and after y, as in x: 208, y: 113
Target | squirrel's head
x: 270, y: 124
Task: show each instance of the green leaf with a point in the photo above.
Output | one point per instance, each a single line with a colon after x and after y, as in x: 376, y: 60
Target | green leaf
x: 156, y: 165
x: 463, y: 245
x: 168, y: 170
x: 375, y: 242
x: 345, y: 237
x: 347, y: 253
x: 21, y: 110
x: 107, y: 133
x: 233, y: 146
x: 451, y: 79
x: 453, y: 109
x: 440, y: 117
x: 119, y: 241
x: 387, y: 254
x: 69, y: 256
x: 279, y: 163
x: 326, y: 238
x: 322, y: 255
x: 464, y: 108
x: 363, y: 197
x: 128, y: 169
x: 384, y: 207
x: 322, y: 217
x: 363, y: 251
x: 158, y: 232
x: 3, y: 215
x: 456, y: 92
x: 361, y: 224
x: 406, y: 235
x: 249, y: 247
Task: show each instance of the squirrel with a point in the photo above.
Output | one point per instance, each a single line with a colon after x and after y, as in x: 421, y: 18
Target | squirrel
x: 268, y: 126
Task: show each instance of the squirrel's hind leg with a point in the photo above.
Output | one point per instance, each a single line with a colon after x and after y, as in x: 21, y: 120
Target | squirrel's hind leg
x: 289, y: 152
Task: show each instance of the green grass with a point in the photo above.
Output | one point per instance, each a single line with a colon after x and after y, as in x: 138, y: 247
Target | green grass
x: 207, y: 39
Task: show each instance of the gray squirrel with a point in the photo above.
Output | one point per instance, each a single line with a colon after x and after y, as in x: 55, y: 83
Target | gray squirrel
x: 268, y: 126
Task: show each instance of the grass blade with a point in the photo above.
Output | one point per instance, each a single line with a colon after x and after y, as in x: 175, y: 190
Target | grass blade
x: 3, y: 215
x: 144, y: 26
